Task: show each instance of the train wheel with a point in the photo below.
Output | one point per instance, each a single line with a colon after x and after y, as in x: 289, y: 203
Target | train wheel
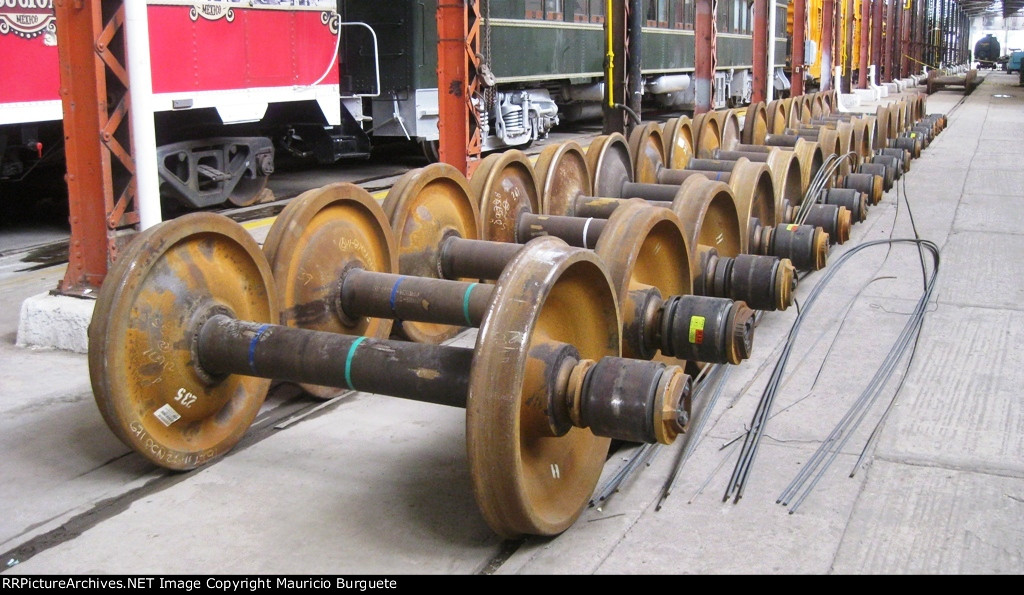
x: 729, y: 126
x: 248, y: 191
x: 644, y: 246
x: 525, y: 480
x: 504, y: 186
x: 709, y: 215
x: 754, y: 192
x: 425, y: 206
x: 679, y: 146
x: 319, y: 235
x: 776, y: 116
x: 431, y: 149
x: 755, y: 124
x: 164, y: 285
x: 610, y: 164
x: 562, y: 175
x: 709, y: 135
x: 648, y: 151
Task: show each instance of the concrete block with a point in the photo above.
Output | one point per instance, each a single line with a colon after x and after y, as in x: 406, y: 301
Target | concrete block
x: 866, y: 94
x: 848, y: 101
x: 55, y: 322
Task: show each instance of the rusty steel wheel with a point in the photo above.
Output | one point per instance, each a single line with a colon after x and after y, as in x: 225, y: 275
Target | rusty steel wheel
x: 424, y: 207
x: 679, y: 146
x: 847, y: 145
x: 817, y: 105
x: 755, y: 124
x: 562, y: 175
x: 788, y: 181
x: 142, y: 358
x: 895, y: 127
x: 610, y: 164
x: 776, y: 117
x: 812, y: 158
x: 873, y: 132
x: 919, y: 110
x: 794, y: 105
x: 527, y: 481
x: 830, y: 143
x: 787, y: 111
x: 709, y: 134
x: 729, y: 126
x: 504, y: 186
x: 867, y: 128
x: 799, y: 112
x: 754, y: 192
x: 904, y: 110
x: 248, y: 191
x: 710, y: 219
x: 648, y: 151
x: 805, y: 109
x: 645, y: 246
x: 830, y: 99
x: 882, y: 124
x: 319, y: 235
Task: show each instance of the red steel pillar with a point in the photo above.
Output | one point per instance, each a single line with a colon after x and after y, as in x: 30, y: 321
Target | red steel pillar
x: 848, y: 13
x: 905, y: 32
x: 759, y: 12
x: 877, y: 8
x: 100, y: 168
x: 897, y: 31
x: 458, y: 67
x: 799, y: 25
x: 704, y: 55
x: 865, y: 38
x: 890, y: 26
x: 894, y: 39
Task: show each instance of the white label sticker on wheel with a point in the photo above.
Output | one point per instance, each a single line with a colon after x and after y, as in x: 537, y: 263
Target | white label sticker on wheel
x: 167, y: 415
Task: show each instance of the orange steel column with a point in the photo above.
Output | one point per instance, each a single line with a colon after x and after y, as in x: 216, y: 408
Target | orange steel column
x: 704, y: 55
x: 759, y: 45
x: 458, y: 48
x: 100, y: 169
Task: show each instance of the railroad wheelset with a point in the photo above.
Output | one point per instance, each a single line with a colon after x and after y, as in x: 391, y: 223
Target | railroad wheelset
x: 612, y: 164
x: 185, y: 341
x: 710, y: 221
x: 643, y: 247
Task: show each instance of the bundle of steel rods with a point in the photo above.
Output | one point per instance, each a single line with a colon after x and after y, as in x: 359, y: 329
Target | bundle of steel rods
x: 748, y: 452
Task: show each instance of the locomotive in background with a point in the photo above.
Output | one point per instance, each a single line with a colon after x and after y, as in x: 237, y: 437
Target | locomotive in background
x: 987, y: 52
x: 236, y: 84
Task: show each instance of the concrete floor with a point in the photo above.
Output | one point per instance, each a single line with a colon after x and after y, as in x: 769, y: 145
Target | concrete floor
x: 375, y: 485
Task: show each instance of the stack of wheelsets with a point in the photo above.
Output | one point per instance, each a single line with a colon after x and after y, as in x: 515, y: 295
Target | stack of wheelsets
x: 599, y: 282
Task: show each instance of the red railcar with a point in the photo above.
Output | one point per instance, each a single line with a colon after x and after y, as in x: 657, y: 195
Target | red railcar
x: 228, y: 77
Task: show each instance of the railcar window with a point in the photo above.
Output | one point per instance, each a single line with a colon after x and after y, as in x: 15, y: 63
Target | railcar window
x: 744, y: 17
x: 589, y: 11
x: 724, y: 17
x: 656, y: 13
x: 552, y: 10
x: 683, y: 13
